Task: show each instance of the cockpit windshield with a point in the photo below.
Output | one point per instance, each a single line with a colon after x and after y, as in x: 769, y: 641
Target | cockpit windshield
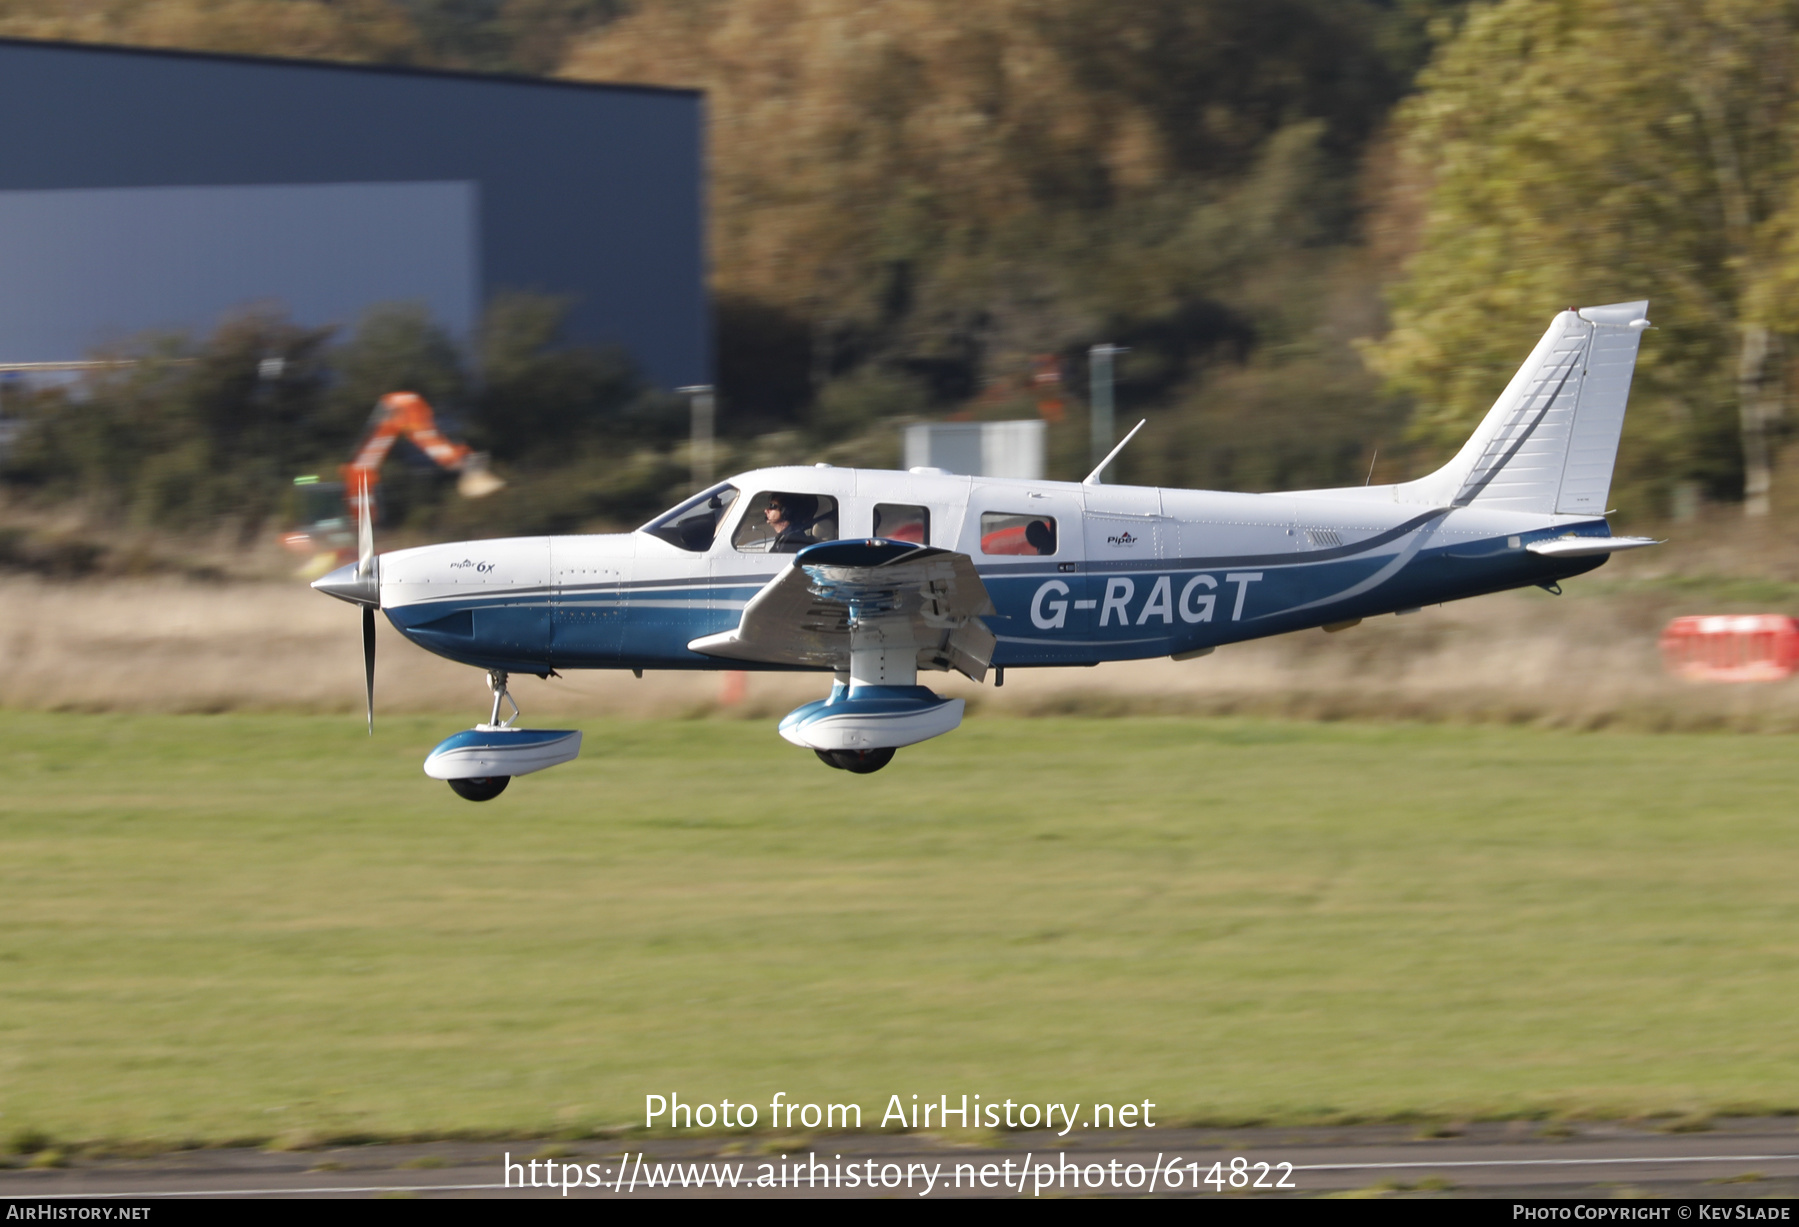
x: 693, y: 524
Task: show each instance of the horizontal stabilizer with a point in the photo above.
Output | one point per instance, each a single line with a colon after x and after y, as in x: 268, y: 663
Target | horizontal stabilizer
x: 1587, y: 547
x: 874, y: 593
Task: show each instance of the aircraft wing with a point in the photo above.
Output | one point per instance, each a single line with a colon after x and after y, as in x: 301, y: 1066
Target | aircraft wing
x: 890, y: 595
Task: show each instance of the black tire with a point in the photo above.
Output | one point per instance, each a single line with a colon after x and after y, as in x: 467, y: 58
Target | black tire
x: 481, y: 787
x: 825, y: 757
x: 862, y: 762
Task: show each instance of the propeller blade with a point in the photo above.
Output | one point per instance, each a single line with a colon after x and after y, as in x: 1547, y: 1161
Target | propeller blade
x: 365, y: 532
x: 368, y: 660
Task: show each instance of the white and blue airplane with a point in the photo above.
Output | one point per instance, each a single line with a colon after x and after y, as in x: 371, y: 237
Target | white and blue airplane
x: 874, y: 575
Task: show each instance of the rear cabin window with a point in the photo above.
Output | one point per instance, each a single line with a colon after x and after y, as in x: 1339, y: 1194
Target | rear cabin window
x: 899, y: 522
x: 786, y: 522
x: 1004, y: 532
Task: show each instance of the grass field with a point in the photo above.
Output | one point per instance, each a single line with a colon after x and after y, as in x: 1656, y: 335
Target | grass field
x: 244, y: 927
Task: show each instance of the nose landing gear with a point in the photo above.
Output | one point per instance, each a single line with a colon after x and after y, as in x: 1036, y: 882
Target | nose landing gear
x: 487, y: 787
x: 478, y: 763
x: 496, y: 682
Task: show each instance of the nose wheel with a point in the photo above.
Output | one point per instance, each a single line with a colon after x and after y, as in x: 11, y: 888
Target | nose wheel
x: 862, y: 762
x: 487, y: 787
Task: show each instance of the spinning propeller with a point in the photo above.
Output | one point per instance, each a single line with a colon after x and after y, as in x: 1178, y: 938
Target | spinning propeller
x: 365, y: 571
x: 360, y: 584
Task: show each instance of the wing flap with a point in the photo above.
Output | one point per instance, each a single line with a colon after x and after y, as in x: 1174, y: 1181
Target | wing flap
x: 843, y: 594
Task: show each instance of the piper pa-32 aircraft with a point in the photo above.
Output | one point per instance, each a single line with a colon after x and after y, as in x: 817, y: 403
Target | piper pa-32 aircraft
x: 873, y: 576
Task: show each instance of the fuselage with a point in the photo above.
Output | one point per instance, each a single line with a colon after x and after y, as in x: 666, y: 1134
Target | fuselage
x: 1130, y: 572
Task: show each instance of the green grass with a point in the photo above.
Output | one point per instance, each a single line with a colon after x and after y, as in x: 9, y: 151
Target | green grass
x: 243, y: 927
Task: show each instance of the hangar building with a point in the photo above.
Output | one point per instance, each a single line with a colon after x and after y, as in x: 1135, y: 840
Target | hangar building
x: 152, y: 189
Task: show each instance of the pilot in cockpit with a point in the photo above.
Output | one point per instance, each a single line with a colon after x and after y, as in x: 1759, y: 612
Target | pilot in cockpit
x: 790, y: 519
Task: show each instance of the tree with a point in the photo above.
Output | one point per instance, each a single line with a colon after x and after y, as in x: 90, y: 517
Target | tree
x: 181, y: 434
x: 376, y: 30
x: 397, y: 347
x: 549, y: 403
x: 485, y: 35
x: 1584, y: 151
x: 935, y: 186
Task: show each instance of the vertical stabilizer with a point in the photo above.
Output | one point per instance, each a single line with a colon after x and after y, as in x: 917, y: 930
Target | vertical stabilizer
x: 1550, y: 441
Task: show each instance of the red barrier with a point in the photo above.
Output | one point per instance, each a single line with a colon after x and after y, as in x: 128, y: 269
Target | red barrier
x: 1732, y: 647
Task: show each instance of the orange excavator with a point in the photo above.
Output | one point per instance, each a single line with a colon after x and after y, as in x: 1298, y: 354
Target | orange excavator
x: 327, y: 508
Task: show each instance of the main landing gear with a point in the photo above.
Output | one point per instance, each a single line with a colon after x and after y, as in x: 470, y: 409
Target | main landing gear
x: 480, y: 787
x: 875, y: 707
x: 859, y: 761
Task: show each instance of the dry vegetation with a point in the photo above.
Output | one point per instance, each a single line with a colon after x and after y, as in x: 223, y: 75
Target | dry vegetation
x: 164, y: 643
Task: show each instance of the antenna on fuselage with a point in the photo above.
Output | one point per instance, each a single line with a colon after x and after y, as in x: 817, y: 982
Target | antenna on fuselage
x: 1092, y: 479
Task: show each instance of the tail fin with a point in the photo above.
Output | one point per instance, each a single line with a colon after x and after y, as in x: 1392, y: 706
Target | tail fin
x: 1549, y: 442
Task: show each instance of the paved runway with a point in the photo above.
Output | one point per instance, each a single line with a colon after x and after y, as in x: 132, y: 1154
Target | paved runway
x: 1729, y: 1160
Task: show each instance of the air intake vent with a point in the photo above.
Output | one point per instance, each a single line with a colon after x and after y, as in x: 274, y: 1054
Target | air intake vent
x: 462, y: 622
x: 1318, y: 538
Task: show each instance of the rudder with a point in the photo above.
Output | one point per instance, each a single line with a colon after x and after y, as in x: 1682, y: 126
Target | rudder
x: 1550, y: 442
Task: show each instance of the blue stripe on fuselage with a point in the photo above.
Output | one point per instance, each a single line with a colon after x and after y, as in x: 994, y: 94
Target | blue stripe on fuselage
x: 1133, y: 615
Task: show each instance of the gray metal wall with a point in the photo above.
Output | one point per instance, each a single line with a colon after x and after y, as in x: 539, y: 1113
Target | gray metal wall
x: 980, y: 449
x: 593, y: 192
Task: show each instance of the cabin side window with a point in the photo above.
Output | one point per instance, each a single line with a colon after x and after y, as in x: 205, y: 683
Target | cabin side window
x: 786, y: 522
x: 1005, y: 532
x: 902, y: 522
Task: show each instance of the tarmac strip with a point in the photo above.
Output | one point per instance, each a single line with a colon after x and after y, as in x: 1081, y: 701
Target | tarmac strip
x: 1724, y: 1160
